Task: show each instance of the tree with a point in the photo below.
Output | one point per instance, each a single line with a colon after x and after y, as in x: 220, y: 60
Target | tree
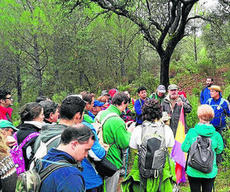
x: 163, y: 23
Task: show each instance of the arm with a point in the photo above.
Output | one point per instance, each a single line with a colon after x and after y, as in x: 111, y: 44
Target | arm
x: 137, y: 107
x: 201, y: 97
x: 122, y: 136
x: 186, y: 144
x: 187, y: 105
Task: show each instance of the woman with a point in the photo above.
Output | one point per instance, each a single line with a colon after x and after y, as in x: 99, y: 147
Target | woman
x: 8, y: 176
x: 198, y: 179
x: 151, y: 114
x: 32, y: 117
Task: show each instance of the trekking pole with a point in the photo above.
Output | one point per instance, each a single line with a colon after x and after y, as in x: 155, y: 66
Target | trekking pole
x: 126, y: 161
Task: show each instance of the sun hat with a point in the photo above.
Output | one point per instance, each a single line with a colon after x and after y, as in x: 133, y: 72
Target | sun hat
x: 215, y: 87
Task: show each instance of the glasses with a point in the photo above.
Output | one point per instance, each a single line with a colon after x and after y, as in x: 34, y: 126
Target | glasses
x: 10, y: 98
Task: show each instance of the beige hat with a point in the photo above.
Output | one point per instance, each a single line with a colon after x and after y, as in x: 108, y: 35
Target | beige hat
x: 215, y: 87
x: 172, y: 87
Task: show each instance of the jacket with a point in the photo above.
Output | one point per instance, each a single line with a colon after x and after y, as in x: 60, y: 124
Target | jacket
x: 92, y: 179
x: 221, y: 110
x: 137, y: 107
x: 175, y: 113
x: 217, y: 146
x: 24, y: 130
x: 204, y: 95
x: 115, y: 134
x: 6, y: 113
x: 65, y: 179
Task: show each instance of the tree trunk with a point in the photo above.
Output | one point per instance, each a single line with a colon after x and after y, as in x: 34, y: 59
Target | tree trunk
x: 37, y: 65
x: 164, y: 73
x: 18, y: 80
x: 195, y: 46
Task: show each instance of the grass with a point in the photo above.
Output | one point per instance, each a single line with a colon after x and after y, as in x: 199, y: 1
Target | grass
x: 222, y: 182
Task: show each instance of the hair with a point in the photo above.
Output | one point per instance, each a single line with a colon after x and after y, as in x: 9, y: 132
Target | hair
x: 103, y: 99
x: 142, y: 88
x: 30, y: 111
x: 4, y: 149
x: 205, y: 112
x: 4, y: 93
x: 119, y: 98
x: 41, y: 98
x: 71, y: 105
x: 49, y: 107
x: 79, y: 132
x: 151, y: 110
x: 88, y: 97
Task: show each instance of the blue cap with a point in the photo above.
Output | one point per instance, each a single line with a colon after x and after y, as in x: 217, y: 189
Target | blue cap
x: 98, y: 103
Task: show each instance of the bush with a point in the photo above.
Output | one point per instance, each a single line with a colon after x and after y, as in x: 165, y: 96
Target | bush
x: 192, y: 118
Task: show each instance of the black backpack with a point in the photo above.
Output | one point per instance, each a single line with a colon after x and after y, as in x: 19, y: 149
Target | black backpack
x: 152, y: 151
x: 201, y: 155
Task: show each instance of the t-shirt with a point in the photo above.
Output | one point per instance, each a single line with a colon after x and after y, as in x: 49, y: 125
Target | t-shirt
x: 135, y: 140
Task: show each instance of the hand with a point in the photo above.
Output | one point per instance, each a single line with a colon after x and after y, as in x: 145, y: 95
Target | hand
x: 10, y: 141
x: 179, y: 102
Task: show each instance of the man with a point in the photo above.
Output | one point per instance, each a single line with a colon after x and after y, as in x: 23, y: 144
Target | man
x: 116, y: 135
x: 220, y: 107
x: 5, y: 102
x: 172, y: 104
x: 142, y: 93
x: 71, y: 114
x: 160, y: 93
x: 51, y: 111
x: 205, y: 93
x: 74, y: 147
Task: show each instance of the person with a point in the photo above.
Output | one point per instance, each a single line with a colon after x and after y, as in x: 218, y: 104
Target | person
x: 142, y: 93
x: 7, y: 129
x: 74, y: 147
x: 5, y: 102
x: 205, y: 93
x: 32, y: 117
x: 71, y: 114
x: 89, y: 99
x: 116, y: 135
x: 97, y: 107
x: 8, y: 175
x: 42, y: 98
x: 160, y: 93
x: 152, y: 114
x: 220, y: 106
x: 51, y: 111
x: 198, y: 179
x: 173, y: 103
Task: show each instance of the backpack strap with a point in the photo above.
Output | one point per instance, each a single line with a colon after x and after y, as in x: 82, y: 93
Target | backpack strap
x: 28, y: 138
x: 107, y: 117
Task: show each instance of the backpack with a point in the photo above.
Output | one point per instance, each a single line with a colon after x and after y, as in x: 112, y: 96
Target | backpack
x: 42, y: 151
x: 17, y: 153
x: 152, y: 152
x: 31, y: 180
x: 100, y: 129
x: 201, y: 155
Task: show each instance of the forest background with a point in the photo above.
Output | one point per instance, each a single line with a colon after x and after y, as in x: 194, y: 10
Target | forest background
x: 59, y: 47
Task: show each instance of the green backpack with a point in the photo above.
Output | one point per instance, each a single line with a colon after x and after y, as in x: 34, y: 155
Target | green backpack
x: 31, y: 180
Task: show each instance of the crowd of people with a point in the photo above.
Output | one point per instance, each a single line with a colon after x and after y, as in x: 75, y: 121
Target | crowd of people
x: 63, y: 140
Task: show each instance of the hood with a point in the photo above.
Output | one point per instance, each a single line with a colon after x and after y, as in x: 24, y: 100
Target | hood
x: 205, y: 129
x: 49, y: 131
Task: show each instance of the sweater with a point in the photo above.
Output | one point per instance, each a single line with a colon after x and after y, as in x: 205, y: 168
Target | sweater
x: 217, y: 146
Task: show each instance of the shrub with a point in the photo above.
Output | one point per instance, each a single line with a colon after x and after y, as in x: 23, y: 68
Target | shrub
x: 192, y: 118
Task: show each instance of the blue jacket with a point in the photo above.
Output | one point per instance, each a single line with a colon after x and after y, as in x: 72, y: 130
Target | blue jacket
x: 65, y: 179
x: 92, y: 179
x: 221, y: 110
x: 137, y: 106
x: 204, y: 95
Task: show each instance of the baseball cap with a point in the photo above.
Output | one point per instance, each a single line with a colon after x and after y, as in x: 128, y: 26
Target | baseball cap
x: 172, y: 87
x: 98, y: 103
x: 7, y: 124
x: 161, y: 89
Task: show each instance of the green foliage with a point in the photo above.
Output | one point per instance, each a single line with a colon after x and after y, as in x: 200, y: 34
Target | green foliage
x: 192, y: 118
x: 226, y: 154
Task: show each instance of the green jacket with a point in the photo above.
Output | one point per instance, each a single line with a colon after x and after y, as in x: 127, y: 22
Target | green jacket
x: 132, y: 181
x: 217, y: 146
x: 115, y: 134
